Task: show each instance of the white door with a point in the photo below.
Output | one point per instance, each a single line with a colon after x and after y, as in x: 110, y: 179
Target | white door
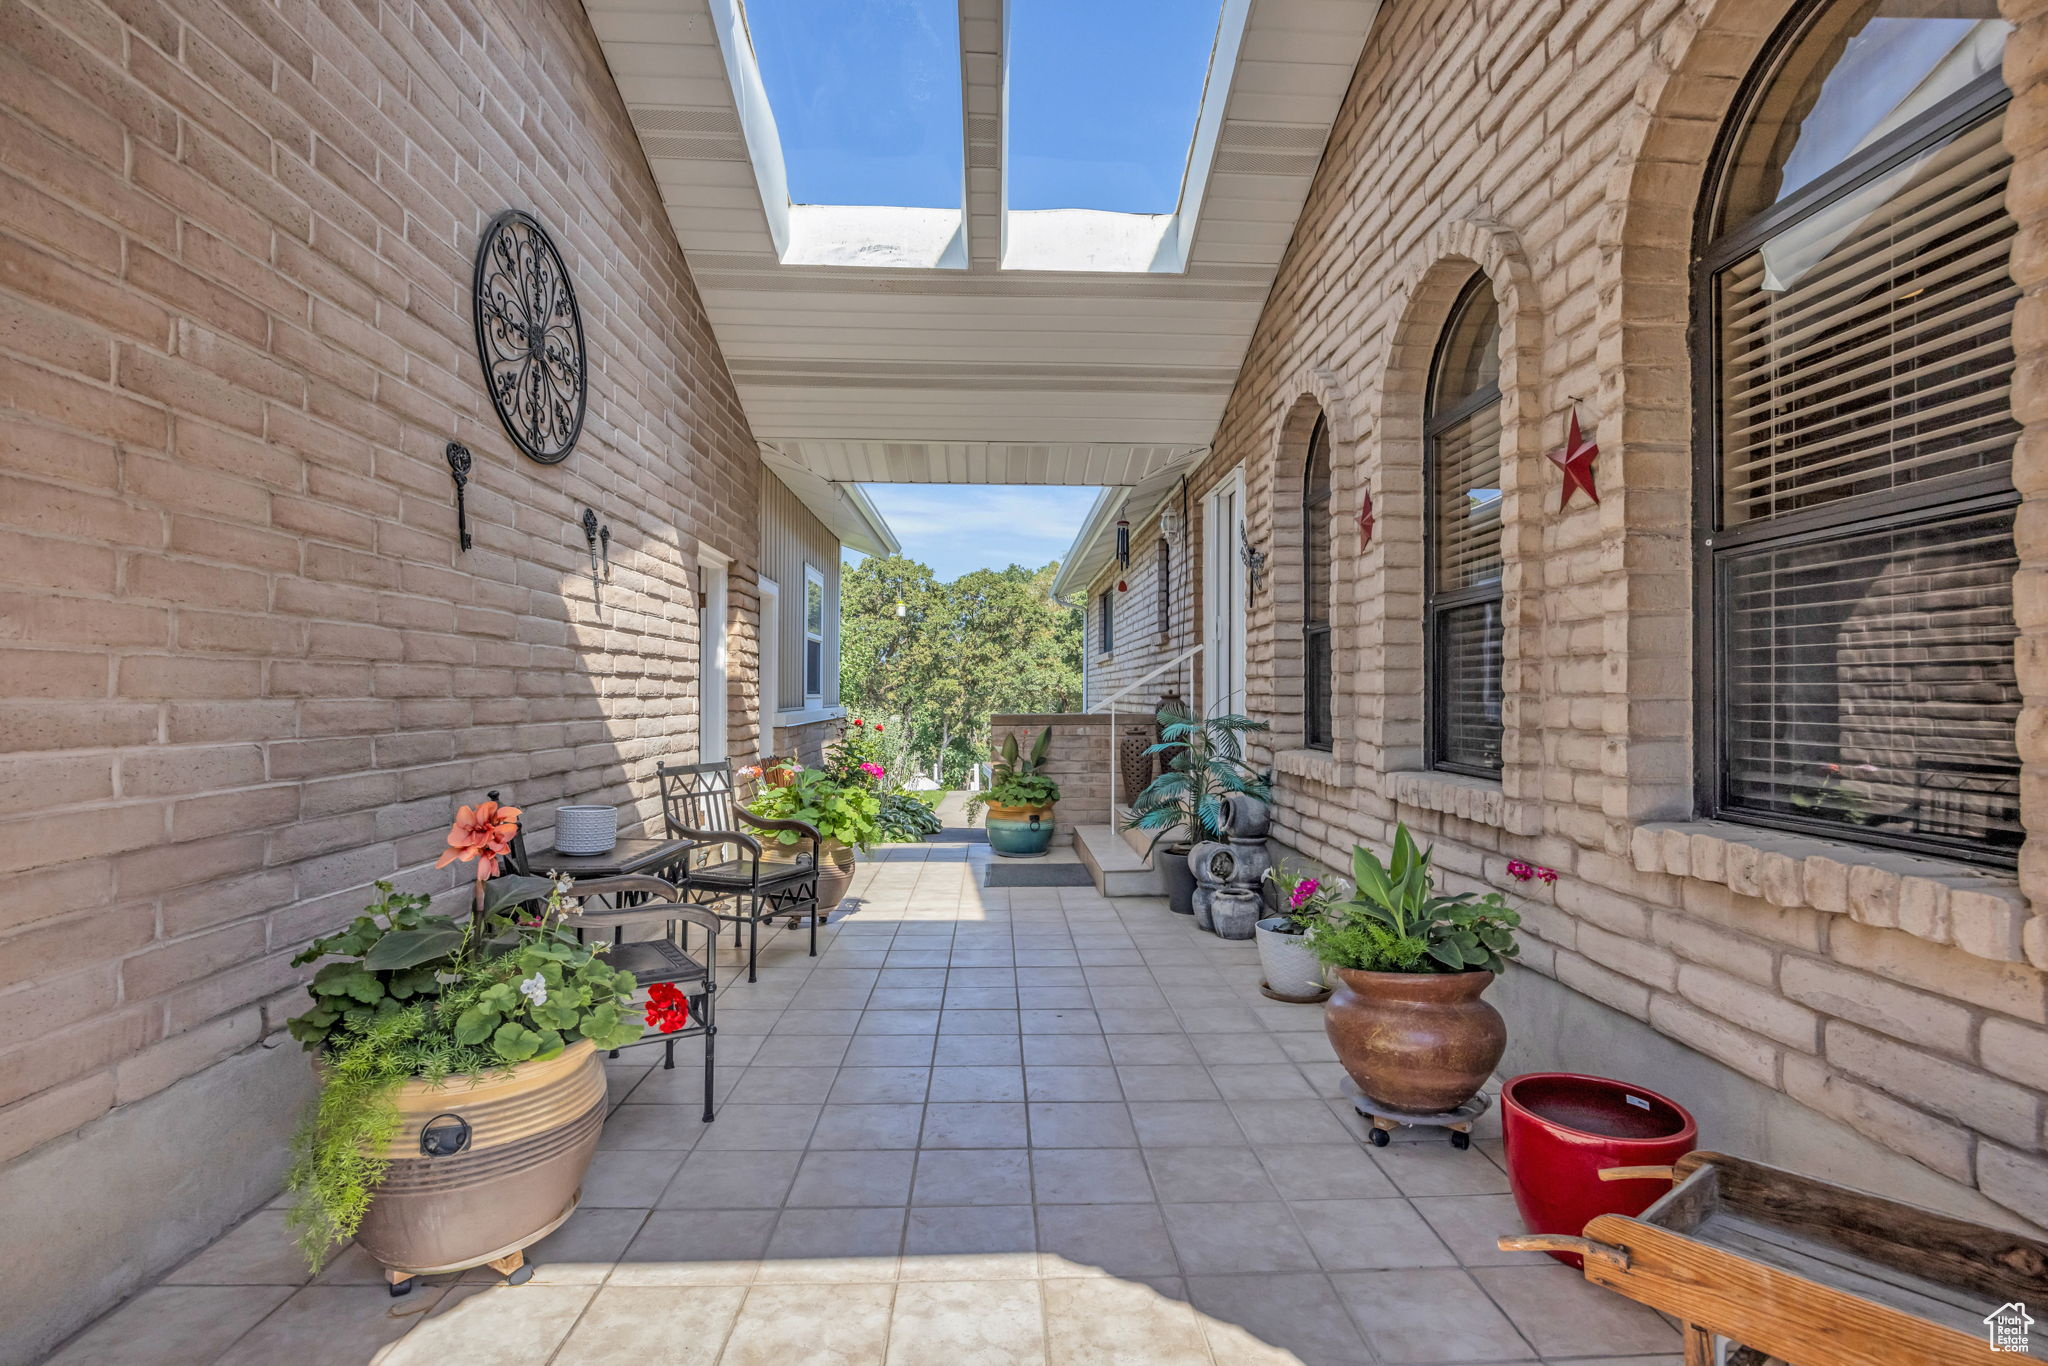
x: 771, y: 660
x: 711, y: 671
x: 1223, y: 598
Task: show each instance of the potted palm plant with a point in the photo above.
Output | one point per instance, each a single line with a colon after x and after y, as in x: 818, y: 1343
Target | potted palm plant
x: 1406, y: 1017
x: 1019, y: 798
x: 1204, y: 764
x: 461, y: 1090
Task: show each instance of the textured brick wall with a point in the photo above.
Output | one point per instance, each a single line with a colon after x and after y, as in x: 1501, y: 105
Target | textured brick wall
x: 246, y: 669
x: 1561, y: 148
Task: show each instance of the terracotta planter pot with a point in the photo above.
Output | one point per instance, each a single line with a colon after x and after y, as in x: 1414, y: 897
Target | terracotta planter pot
x: 1417, y: 1041
x: 532, y: 1131
x: 835, y: 874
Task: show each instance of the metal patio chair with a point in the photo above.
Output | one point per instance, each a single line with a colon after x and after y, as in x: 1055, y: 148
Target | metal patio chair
x: 744, y: 889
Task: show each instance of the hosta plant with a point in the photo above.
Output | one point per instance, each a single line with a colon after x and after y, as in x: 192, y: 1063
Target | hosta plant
x: 1397, y: 921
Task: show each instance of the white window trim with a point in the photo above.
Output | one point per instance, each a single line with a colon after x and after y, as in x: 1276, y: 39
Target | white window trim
x: 768, y: 671
x: 814, y: 575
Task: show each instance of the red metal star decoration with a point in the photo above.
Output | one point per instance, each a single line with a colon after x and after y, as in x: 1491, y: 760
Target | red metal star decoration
x: 1365, y: 519
x: 1575, y: 458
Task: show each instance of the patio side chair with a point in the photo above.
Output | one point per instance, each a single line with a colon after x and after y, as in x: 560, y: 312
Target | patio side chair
x: 658, y: 902
x: 698, y: 804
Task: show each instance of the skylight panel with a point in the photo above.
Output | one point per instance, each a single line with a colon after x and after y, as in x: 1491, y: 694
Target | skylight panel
x: 853, y: 114
x: 1111, y: 109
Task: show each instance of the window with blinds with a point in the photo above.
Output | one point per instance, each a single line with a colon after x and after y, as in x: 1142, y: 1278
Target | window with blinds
x: 1859, y: 554
x: 1316, y: 564
x: 1463, y: 580
x: 1106, y: 605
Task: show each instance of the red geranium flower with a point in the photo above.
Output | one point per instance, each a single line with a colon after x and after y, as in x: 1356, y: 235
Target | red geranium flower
x: 484, y: 835
x: 858, y: 722
x: 667, y: 1008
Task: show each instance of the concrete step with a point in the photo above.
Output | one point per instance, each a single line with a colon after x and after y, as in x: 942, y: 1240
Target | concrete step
x: 1118, y: 870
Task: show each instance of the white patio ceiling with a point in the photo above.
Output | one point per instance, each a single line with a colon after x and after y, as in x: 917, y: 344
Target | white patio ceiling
x: 984, y: 375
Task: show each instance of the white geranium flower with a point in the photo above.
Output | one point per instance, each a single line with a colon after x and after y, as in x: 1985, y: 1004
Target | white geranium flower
x: 535, y: 989
x: 447, y: 978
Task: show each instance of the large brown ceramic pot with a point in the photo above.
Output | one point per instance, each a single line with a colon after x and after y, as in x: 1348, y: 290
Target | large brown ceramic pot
x: 532, y: 1130
x: 835, y: 875
x: 1422, y: 1042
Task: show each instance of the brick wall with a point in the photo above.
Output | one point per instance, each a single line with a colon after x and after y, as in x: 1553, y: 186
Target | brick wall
x: 1077, y: 759
x: 247, y: 670
x: 1560, y: 148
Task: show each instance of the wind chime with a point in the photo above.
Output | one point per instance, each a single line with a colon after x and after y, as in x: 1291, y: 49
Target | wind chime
x: 1123, y: 553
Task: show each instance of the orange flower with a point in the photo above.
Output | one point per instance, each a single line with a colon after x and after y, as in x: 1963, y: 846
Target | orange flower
x: 484, y: 834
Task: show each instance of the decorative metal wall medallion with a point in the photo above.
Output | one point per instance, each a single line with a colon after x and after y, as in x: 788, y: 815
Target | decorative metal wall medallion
x: 529, y: 336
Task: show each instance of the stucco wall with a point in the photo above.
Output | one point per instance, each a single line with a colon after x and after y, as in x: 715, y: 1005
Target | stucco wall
x: 1560, y: 148
x: 247, y: 670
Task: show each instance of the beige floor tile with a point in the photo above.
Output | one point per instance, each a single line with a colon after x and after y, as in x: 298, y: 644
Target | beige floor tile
x: 780, y: 1325
x: 967, y: 1323
x: 580, y: 1252
x: 1089, y: 1176
x: 1111, y: 1240
x: 854, y: 1178
x: 977, y: 1083
x: 732, y: 1180
x: 972, y: 1176
x: 1428, y: 1316
x: 879, y: 1085
x: 1287, y: 1319
x: 1369, y: 1235
x: 889, y: 1050
x: 1419, y: 1169
x: 1562, y: 1313
x: 893, y: 1125
x: 755, y: 1128
x: 1053, y: 1083
x: 980, y: 1242
x: 1082, y: 1124
x: 834, y: 1245
x: 1238, y: 1236
x: 516, y: 1325
x: 1203, y: 1175
x: 1259, y: 1081
x: 1324, y: 1171
x: 783, y: 1085
x: 696, y: 1247
x: 673, y: 1325
x: 1169, y: 1081
x: 1471, y: 1224
x: 667, y: 1127
x: 258, y: 1251
x: 331, y: 1325
x: 1097, y: 1321
x: 1065, y: 1050
x: 1152, y: 1050
x: 974, y: 1125
x: 173, y: 1325
x: 1186, y: 1124
x: 629, y: 1179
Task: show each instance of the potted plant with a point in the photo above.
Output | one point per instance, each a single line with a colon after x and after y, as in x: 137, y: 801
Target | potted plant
x: 1020, y: 800
x: 1204, y: 764
x: 841, y: 801
x: 1406, y: 1017
x: 1292, y: 971
x: 460, y: 1085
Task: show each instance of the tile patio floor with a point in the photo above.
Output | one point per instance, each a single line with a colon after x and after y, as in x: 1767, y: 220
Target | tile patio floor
x: 1147, y: 1163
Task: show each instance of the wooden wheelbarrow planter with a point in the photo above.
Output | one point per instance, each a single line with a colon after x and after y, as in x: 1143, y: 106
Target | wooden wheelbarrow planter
x: 1810, y: 1273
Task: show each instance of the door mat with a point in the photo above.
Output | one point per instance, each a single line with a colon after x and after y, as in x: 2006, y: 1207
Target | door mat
x: 960, y: 834
x: 1038, y: 875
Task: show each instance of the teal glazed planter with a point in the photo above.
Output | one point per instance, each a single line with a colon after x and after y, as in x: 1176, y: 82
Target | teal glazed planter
x: 1020, y: 831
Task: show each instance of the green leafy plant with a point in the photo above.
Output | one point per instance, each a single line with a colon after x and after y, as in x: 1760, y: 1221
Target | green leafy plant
x: 849, y: 812
x: 410, y: 994
x: 1018, y: 778
x: 1206, y: 764
x: 1305, y: 901
x: 1396, y: 920
x: 907, y: 817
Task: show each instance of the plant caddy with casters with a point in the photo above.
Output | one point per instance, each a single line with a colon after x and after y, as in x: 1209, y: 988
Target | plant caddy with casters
x: 1019, y: 799
x: 1406, y: 1016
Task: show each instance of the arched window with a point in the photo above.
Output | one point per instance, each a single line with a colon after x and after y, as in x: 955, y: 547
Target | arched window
x: 1461, y: 471
x: 1315, y: 589
x: 1855, y: 498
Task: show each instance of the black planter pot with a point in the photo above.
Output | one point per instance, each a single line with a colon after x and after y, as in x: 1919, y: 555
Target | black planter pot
x: 1172, y: 861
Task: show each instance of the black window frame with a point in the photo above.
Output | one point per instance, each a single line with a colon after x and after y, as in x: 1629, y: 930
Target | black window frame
x: 1164, y: 563
x: 1106, y: 639
x: 1435, y: 605
x: 1318, y: 670
x: 1716, y: 548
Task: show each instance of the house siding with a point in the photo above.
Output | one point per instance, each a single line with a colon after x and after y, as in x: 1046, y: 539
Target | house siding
x: 791, y: 538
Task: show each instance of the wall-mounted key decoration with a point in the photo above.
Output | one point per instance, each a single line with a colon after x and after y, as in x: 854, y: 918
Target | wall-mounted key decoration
x: 604, y: 540
x: 590, y: 535
x: 458, y: 466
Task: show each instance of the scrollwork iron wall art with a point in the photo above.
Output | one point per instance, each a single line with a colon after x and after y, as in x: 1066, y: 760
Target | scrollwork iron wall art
x: 529, y: 336
x: 458, y: 466
x: 590, y: 535
x: 604, y: 540
x: 1254, y: 560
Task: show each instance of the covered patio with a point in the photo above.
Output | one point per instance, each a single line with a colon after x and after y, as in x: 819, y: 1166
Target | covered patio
x: 993, y: 1126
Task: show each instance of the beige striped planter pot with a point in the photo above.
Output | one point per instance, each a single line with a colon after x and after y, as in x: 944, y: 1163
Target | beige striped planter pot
x: 533, y: 1130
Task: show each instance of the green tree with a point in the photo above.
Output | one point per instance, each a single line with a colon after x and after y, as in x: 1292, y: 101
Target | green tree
x: 991, y: 641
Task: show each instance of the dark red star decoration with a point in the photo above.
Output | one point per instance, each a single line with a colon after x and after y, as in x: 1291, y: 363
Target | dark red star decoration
x: 1365, y: 520
x: 1575, y: 458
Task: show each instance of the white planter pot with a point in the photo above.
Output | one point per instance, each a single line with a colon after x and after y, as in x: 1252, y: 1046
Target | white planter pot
x: 1291, y: 968
x: 586, y: 829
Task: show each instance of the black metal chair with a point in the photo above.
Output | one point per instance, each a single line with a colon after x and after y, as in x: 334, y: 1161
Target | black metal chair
x: 653, y: 961
x: 698, y: 804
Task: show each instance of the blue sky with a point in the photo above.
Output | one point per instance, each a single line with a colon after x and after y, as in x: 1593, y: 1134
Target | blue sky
x: 956, y: 528
x: 1103, y: 96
